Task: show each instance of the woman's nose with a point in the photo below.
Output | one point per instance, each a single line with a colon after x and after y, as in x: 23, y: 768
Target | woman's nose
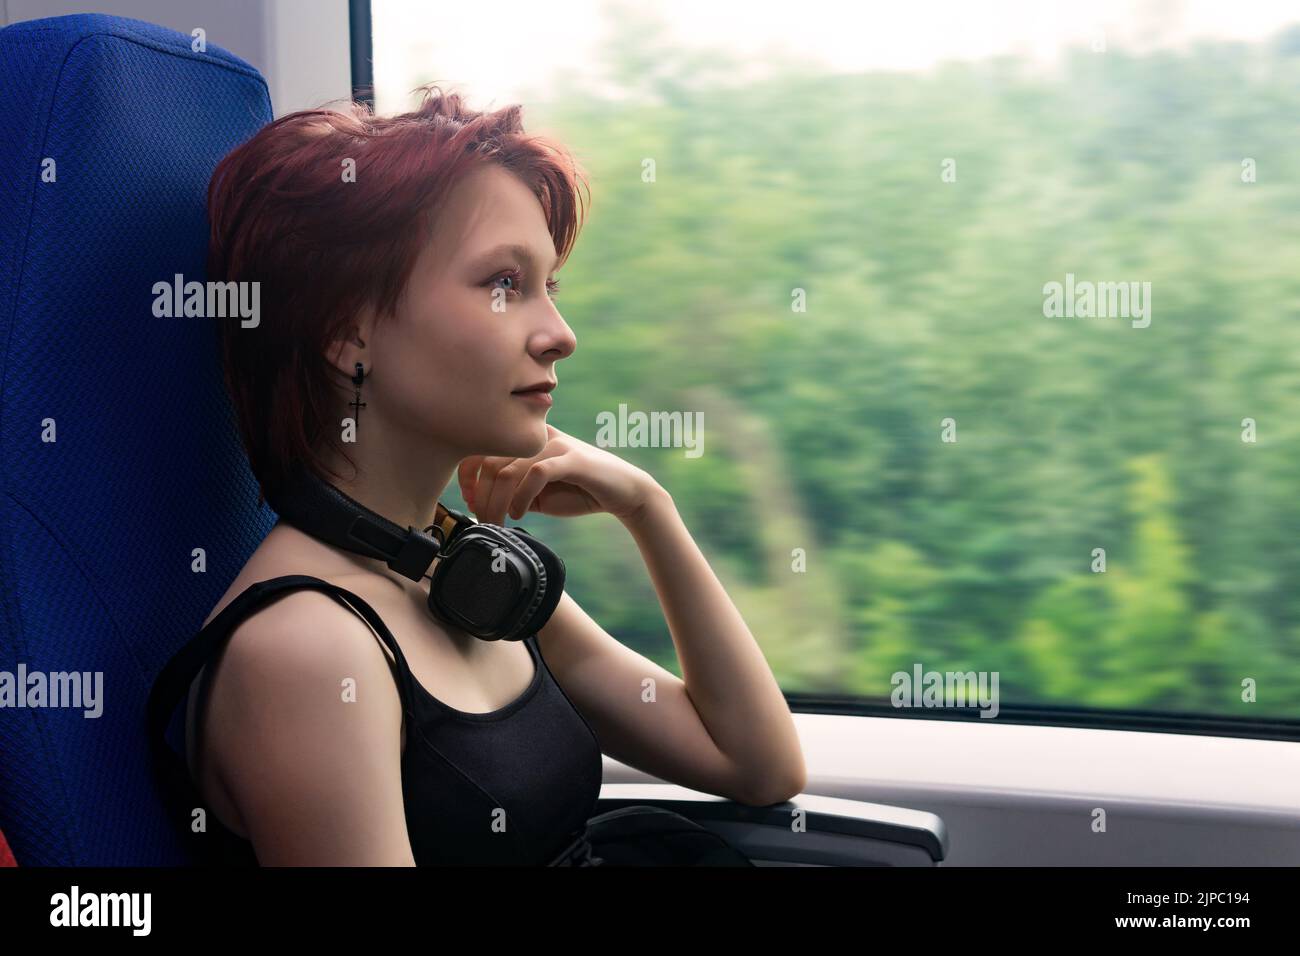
x: 558, y: 337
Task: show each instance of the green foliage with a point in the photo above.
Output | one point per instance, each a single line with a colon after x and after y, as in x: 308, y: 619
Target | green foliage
x: 925, y: 302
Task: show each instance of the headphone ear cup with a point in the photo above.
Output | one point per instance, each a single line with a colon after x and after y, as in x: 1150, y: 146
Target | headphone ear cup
x: 459, y: 594
x: 554, y: 566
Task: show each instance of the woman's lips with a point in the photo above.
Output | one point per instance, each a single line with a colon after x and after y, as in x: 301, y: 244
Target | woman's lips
x: 535, y: 395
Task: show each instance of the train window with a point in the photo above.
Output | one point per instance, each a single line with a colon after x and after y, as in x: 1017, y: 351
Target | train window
x: 965, y: 339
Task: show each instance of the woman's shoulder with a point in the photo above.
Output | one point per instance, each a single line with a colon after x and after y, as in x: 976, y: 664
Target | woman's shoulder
x: 285, y: 551
x: 301, y: 632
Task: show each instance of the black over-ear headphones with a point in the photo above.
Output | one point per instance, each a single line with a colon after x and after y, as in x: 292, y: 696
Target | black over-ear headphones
x: 493, y: 582
x: 499, y: 584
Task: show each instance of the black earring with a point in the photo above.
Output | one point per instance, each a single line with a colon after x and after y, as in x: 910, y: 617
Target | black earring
x: 357, y: 403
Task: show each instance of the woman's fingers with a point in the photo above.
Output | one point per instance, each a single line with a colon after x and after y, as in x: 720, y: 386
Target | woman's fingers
x: 489, y: 483
x: 481, y: 484
x: 537, y: 477
x: 496, y: 490
x: 493, y: 489
x: 467, y: 476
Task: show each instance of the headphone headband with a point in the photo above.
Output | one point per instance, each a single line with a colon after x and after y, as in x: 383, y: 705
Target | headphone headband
x: 493, y: 582
x: 337, y: 518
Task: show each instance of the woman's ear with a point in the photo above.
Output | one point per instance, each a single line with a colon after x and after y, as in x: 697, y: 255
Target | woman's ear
x: 344, y: 353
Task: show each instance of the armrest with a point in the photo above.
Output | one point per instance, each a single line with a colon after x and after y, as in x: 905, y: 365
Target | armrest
x: 837, y: 832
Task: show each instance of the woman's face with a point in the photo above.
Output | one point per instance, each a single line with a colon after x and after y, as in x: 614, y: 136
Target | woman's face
x: 446, y: 365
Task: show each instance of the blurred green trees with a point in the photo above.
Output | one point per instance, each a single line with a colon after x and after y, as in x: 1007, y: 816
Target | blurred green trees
x: 924, y: 302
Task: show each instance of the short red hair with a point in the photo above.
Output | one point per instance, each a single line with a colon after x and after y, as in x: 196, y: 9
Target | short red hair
x: 322, y: 248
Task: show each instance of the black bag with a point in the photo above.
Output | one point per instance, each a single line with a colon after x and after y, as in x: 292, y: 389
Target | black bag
x: 644, y: 835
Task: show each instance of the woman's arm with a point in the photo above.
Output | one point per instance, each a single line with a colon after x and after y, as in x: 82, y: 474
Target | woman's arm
x: 723, y: 668
x: 724, y: 727
x: 722, y: 665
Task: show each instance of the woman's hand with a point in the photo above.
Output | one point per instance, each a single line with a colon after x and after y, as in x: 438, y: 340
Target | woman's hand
x: 566, y: 478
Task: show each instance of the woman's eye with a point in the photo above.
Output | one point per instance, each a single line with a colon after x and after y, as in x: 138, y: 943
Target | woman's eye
x: 511, y: 277
x: 515, y: 278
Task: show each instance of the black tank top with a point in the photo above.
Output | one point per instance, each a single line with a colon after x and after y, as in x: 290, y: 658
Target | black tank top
x: 514, y: 786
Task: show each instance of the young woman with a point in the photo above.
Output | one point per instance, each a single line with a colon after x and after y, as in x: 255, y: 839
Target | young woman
x: 423, y: 248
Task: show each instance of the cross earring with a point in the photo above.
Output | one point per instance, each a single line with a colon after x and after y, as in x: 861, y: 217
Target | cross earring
x: 357, y: 403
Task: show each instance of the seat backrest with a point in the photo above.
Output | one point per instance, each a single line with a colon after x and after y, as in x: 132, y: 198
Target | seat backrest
x: 120, y: 454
